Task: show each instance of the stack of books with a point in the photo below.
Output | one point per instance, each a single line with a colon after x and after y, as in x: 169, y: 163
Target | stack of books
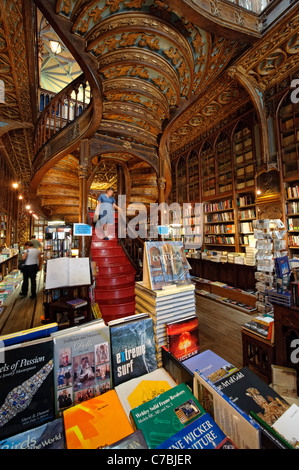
x: 165, y: 306
x: 250, y: 256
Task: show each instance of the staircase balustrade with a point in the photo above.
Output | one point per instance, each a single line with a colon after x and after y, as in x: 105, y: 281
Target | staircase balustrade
x: 60, y: 110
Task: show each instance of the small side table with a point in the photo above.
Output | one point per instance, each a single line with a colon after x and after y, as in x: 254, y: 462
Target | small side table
x: 61, y: 306
x: 258, y: 354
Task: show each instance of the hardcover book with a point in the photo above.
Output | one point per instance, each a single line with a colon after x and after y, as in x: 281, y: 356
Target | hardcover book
x: 282, y: 266
x: 48, y: 436
x: 38, y: 332
x: 67, y: 272
x: 166, y: 414
x: 26, y: 386
x: 210, y: 365
x: 142, y: 389
x: 133, y: 351
x: 96, y: 423
x: 262, y: 326
x: 234, y: 422
x: 133, y: 441
x: 252, y: 394
x: 82, y: 367
x: 76, y: 303
x: 183, y: 337
x: 203, y: 433
x: 165, y: 263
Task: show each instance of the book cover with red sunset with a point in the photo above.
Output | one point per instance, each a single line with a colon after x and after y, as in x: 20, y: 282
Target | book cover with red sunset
x: 183, y: 338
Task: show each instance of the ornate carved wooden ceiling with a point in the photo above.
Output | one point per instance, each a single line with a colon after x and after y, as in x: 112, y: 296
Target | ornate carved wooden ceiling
x: 151, y: 61
x: 16, y: 111
x: 264, y: 64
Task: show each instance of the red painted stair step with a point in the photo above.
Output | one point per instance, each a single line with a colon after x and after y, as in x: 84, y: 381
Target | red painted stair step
x: 103, y: 261
x: 117, y: 280
x: 117, y: 311
x: 112, y: 270
x: 109, y: 296
x: 108, y: 251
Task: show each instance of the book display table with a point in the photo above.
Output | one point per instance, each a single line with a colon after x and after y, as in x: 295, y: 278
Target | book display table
x: 258, y: 354
x: 165, y: 306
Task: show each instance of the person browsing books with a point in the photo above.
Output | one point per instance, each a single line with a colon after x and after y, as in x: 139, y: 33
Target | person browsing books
x: 32, y: 257
x: 104, y: 211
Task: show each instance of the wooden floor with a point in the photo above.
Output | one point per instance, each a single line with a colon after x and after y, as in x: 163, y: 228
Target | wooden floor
x: 219, y: 325
x: 23, y: 313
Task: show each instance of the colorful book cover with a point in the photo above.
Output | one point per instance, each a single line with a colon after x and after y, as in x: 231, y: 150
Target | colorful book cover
x: 48, y: 436
x: 26, y: 386
x: 210, y: 364
x: 76, y: 303
x: 203, y: 433
x: 234, y: 422
x: 250, y: 393
x: 133, y: 441
x: 166, y: 414
x: 183, y: 338
x: 165, y: 263
x: 96, y: 423
x: 82, y: 367
x: 133, y: 350
x: 282, y: 266
x: 142, y: 389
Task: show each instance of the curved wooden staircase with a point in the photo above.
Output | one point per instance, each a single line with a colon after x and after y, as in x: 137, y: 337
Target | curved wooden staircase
x: 115, y: 281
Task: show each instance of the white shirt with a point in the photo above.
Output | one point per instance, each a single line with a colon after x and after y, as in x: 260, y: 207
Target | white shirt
x: 32, y: 257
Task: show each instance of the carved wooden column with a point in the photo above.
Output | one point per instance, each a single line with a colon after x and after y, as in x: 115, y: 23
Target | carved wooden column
x: 84, y: 171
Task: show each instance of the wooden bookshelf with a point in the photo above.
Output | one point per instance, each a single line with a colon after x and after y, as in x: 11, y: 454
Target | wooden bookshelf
x: 289, y: 136
x: 193, y: 176
x: 292, y: 216
x: 246, y: 214
x: 243, y: 154
x: 208, y: 171
x: 224, y: 164
x: 3, y: 228
x: 219, y: 224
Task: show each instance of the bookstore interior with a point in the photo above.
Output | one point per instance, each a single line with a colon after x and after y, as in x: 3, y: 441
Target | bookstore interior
x: 149, y: 225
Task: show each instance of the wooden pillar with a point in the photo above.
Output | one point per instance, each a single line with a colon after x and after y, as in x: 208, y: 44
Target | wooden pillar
x: 83, y: 192
x: 120, y: 180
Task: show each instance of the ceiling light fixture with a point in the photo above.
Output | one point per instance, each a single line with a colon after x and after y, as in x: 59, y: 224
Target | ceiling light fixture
x: 55, y: 47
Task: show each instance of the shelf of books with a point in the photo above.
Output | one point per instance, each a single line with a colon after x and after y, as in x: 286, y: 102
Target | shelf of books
x: 208, y: 171
x: 219, y: 224
x: 289, y: 133
x: 292, y: 217
x: 3, y: 228
x: 246, y: 211
x: 243, y: 157
x: 224, y: 165
x: 193, y: 176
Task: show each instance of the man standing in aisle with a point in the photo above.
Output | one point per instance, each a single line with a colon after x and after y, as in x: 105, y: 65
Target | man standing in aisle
x: 104, y: 212
x: 32, y: 257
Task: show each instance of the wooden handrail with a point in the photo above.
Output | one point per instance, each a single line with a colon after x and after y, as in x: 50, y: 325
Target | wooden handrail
x: 60, y: 111
x: 134, y: 248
